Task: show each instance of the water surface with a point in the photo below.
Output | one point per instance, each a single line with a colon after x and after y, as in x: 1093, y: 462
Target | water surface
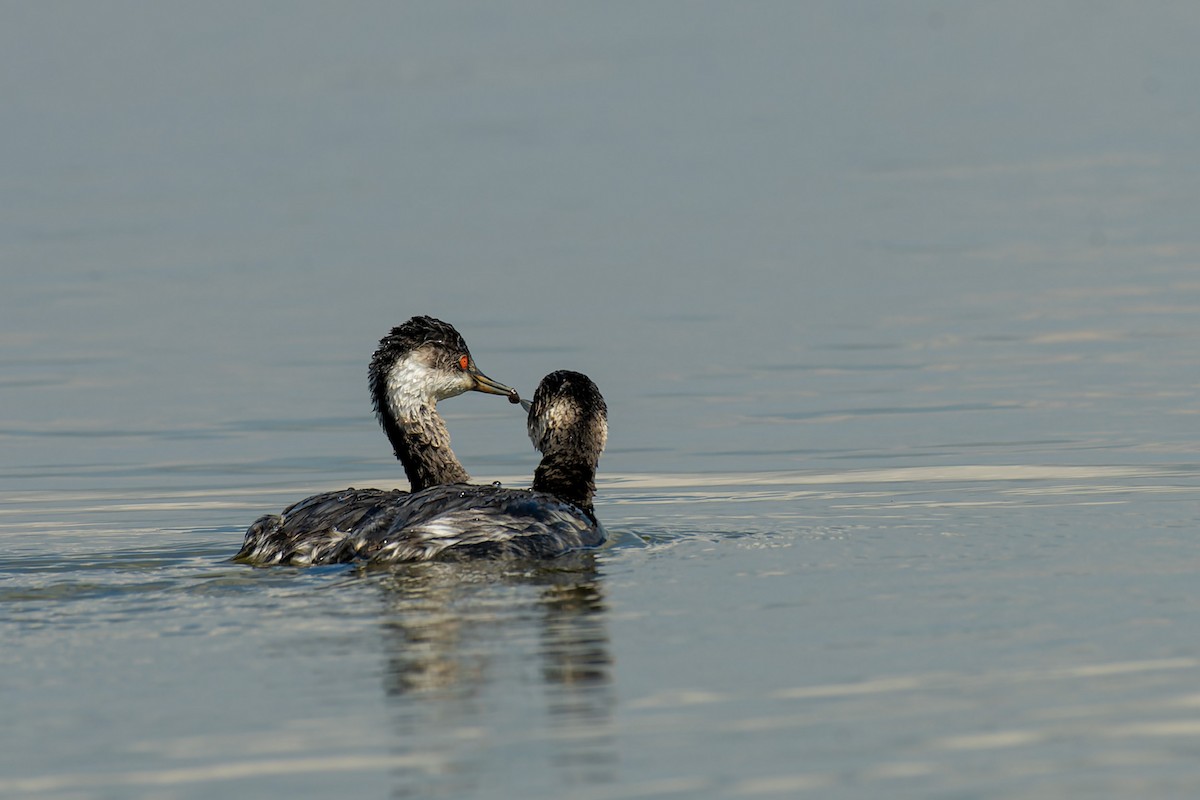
x: 895, y: 310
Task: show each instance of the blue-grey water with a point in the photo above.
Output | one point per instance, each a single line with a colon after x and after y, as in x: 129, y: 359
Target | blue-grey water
x: 896, y: 308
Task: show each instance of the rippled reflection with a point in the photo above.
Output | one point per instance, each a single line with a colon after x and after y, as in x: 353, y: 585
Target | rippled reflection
x: 483, y: 659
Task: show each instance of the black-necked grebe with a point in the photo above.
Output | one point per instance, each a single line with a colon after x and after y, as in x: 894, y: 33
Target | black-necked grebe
x: 567, y: 422
x: 416, y: 364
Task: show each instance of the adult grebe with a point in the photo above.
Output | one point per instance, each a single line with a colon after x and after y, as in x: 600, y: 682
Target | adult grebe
x: 416, y: 364
x: 567, y: 422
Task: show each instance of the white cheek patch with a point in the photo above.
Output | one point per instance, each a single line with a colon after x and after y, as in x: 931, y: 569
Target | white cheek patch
x: 562, y: 415
x: 413, y: 385
x: 558, y: 417
x: 407, y: 387
x: 601, y: 432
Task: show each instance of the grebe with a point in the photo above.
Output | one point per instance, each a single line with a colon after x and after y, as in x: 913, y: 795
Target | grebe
x: 416, y: 364
x: 567, y: 422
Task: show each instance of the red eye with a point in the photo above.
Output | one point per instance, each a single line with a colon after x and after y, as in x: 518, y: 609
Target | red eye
x: 463, y: 362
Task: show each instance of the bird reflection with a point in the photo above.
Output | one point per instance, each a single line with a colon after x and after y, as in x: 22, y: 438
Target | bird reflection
x: 498, y: 666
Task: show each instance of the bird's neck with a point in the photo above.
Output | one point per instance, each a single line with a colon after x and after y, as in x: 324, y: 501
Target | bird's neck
x: 568, y: 479
x: 419, y: 439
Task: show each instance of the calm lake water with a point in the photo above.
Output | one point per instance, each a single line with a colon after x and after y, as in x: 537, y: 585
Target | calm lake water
x: 896, y: 308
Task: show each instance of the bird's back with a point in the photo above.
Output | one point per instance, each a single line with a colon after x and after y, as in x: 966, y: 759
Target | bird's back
x: 319, y: 529
x: 467, y: 521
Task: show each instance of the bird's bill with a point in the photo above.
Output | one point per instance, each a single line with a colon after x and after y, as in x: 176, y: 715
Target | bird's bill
x: 488, y: 386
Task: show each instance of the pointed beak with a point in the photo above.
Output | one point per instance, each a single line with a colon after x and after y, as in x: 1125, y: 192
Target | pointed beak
x: 488, y: 386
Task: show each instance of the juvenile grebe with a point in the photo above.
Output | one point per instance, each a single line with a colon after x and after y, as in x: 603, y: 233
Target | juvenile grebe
x: 567, y: 422
x: 416, y: 364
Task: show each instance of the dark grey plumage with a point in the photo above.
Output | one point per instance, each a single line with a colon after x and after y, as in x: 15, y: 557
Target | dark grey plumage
x: 416, y: 364
x: 567, y: 421
x: 568, y: 425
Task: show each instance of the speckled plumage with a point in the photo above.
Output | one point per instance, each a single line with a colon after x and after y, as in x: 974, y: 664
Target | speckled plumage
x: 416, y: 364
x: 567, y: 422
